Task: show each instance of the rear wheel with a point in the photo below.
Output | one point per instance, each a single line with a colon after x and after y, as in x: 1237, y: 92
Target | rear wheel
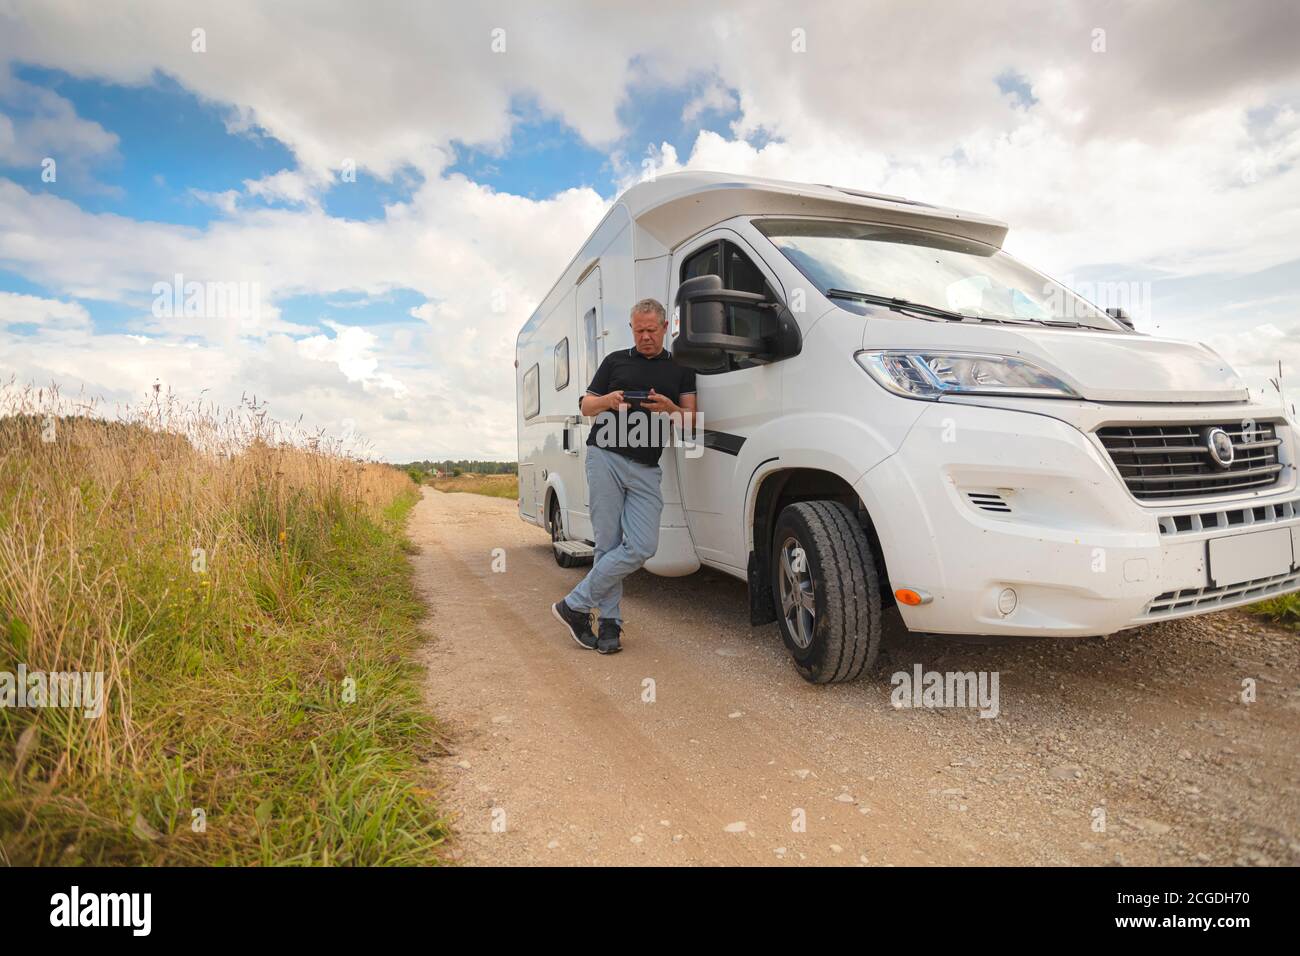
x: 562, y: 558
x: 827, y: 589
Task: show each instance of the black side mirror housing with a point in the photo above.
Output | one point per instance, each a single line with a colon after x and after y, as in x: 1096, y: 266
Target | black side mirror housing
x: 703, y: 341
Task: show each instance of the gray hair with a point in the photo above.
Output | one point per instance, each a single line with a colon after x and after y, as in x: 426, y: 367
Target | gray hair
x: 650, y: 306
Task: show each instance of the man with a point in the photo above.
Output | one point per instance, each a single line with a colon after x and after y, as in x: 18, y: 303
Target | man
x: 623, y: 470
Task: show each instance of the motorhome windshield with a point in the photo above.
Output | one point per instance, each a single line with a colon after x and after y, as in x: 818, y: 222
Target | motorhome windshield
x: 866, y: 262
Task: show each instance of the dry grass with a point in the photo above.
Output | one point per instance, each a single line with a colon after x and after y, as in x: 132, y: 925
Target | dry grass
x: 231, y: 578
x: 495, y: 486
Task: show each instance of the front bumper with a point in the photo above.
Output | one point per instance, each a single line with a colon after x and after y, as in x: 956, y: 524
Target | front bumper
x: 980, y: 500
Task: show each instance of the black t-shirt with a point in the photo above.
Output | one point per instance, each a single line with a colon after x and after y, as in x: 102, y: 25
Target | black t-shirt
x: 643, y: 437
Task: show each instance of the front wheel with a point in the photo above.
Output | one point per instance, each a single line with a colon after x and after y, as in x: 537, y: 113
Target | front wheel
x: 827, y: 587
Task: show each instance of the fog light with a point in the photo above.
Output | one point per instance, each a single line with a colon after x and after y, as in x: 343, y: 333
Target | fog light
x: 1007, y: 601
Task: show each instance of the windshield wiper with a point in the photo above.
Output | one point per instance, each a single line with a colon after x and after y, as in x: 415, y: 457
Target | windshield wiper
x: 902, y: 305
x: 1061, y: 323
x: 933, y: 310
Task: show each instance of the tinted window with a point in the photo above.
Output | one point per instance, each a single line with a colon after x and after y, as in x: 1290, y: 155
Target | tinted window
x: 739, y: 273
x: 702, y: 263
x: 743, y: 276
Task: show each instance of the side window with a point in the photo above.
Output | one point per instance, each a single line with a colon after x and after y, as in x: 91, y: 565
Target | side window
x: 532, y: 393
x: 702, y: 263
x: 738, y: 272
x: 562, y: 364
x: 743, y: 276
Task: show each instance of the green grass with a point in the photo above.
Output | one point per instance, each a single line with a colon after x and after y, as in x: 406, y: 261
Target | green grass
x: 1284, y: 610
x: 241, y: 710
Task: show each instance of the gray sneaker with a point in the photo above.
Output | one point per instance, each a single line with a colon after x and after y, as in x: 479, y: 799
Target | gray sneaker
x: 608, y: 642
x: 577, y: 623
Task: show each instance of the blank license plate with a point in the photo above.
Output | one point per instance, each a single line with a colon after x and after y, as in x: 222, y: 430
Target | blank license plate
x: 1248, y: 557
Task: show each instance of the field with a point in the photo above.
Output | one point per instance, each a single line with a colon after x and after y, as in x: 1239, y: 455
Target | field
x: 495, y: 486
x: 245, y: 596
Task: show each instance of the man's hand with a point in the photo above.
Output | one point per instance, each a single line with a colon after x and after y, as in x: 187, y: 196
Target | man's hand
x: 593, y: 405
x: 660, y: 403
x: 683, y: 415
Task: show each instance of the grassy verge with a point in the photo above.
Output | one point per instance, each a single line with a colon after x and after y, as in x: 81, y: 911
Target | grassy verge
x: 495, y: 486
x: 1284, y: 610
x: 251, y: 609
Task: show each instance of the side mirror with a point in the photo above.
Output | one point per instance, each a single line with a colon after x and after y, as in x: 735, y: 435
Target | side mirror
x: 703, y: 341
x: 1122, y: 317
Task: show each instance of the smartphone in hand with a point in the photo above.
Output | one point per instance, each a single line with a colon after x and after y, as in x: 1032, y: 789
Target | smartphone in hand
x: 634, y: 398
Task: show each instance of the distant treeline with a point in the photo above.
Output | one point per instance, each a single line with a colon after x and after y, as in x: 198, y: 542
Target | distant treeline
x: 464, y: 466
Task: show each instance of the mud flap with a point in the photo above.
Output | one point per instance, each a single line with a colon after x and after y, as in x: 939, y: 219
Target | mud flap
x: 762, y: 605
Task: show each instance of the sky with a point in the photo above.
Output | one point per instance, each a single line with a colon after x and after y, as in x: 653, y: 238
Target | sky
x: 374, y: 197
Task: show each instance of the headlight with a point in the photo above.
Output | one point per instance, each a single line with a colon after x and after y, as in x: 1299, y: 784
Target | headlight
x: 932, y: 374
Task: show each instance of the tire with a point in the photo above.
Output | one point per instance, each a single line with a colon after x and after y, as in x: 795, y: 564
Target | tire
x: 557, y: 534
x: 840, y: 638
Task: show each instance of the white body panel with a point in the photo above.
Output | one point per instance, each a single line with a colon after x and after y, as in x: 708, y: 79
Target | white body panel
x: 1082, y: 553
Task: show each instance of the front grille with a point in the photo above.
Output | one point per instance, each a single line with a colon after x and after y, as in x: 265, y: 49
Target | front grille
x: 1163, y: 462
x: 1203, y: 599
x: 1223, y: 518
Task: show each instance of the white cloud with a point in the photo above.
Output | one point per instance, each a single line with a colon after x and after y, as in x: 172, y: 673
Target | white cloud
x: 425, y: 312
x: 18, y: 309
x: 714, y: 97
x: 352, y: 350
x: 289, y: 186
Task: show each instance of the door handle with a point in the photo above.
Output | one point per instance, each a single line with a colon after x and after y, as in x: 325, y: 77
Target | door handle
x: 570, y: 424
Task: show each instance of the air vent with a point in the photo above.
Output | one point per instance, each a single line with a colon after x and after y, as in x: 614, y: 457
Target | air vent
x: 989, y: 501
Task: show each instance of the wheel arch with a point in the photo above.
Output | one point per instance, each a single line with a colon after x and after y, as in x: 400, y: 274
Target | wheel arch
x: 773, y: 489
x: 555, y: 493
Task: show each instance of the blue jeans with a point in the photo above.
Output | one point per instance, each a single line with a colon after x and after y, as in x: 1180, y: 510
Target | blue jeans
x: 625, y: 507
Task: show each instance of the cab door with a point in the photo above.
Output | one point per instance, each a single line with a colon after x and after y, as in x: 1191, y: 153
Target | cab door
x: 734, y: 400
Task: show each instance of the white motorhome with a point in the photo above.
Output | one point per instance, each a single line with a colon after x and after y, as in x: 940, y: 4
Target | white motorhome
x: 896, y: 412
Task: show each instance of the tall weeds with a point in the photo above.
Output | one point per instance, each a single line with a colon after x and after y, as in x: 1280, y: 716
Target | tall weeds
x: 241, y: 587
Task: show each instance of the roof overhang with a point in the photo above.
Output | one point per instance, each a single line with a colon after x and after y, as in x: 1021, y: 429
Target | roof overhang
x: 675, y: 207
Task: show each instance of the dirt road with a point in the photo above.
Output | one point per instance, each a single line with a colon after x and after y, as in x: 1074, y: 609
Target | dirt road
x: 699, y: 744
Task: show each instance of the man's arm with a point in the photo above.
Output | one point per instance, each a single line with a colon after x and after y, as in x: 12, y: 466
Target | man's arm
x: 593, y: 404
x: 687, y: 398
x: 688, y: 408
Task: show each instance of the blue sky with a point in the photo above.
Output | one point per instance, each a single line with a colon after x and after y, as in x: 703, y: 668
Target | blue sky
x: 170, y: 145
x: 395, y: 193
